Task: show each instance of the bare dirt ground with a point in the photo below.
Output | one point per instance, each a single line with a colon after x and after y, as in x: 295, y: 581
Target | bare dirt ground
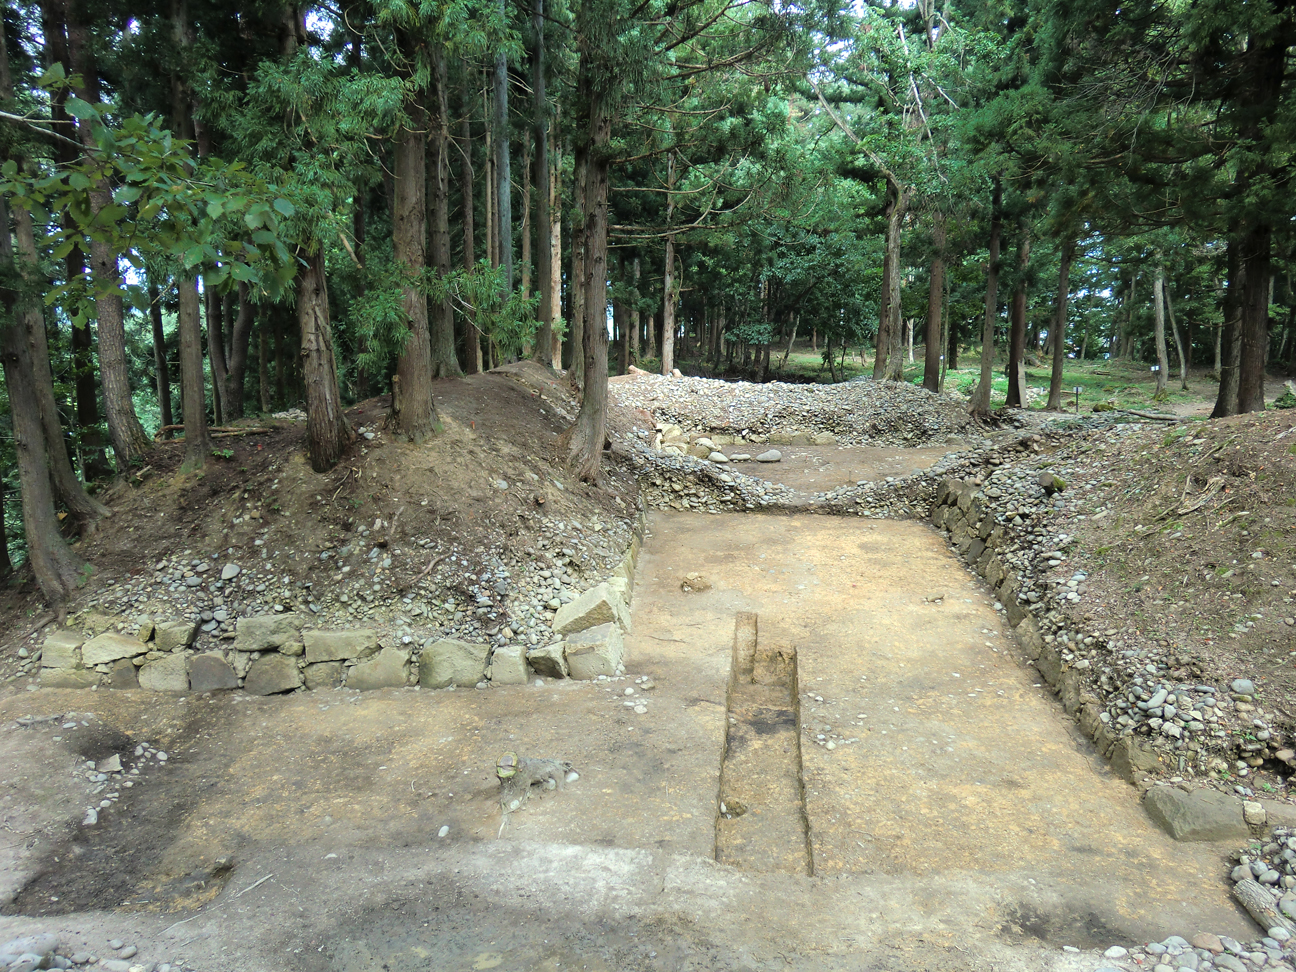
x: 961, y: 828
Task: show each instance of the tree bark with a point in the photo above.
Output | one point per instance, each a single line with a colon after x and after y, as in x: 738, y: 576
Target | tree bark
x: 544, y: 223
x: 1226, y: 401
x: 555, y: 256
x: 636, y: 322
x: 198, y: 443
x: 239, y: 341
x: 160, y: 366
x: 216, y: 353
x: 935, y: 294
x: 980, y: 405
x: 1178, y: 340
x: 469, y: 340
x: 327, y: 431
x: 1158, y: 331
x: 1255, y: 321
x: 413, y: 407
x: 1057, y: 333
x: 895, y: 326
x: 1017, y: 321
x: 584, y: 440
x: 6, y: 565
x: 263, y: 363
x: 882, y: 346
x: 441, y: 323
x: 579, y: 243
x: 668, y: 276
x: 130, y: 442
x: 503, y: 177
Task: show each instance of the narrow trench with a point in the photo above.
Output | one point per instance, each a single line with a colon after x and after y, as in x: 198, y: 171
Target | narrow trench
x: 761, y: 824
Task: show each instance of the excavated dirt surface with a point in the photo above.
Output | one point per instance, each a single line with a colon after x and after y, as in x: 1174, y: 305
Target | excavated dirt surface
x: 965, y: 828
x: 817, y: 469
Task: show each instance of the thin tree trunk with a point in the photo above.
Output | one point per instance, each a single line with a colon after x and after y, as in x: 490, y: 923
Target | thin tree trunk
x: 882, y: 347
x: 216, y: 353
x: 895, y: 357
x: 469, y: 340
x: 413, y: 407
x: 555, y: 256
x: 198, y: 443
x: 544, y: 347
x: 130, y: 442
x: 935, y: 293
x: 1158, y: 332
x: 441, y: 319
x: 1179, y: 344
x: 160, y: 365
x: 584, y: 440
x: 263, y: 363
x: 1057, y: 333
x: 525, y: 228
x: 327, y: 431
x: 503, y: 178
x: 980, y: 405
x: 1017, y: 331
x: 636, y: 321
x: 6, y: 565
x: 1226, y: 402
x: 240, y: 337
x: 87, y: 390
x: 668, y: 276
x: 579, y: 243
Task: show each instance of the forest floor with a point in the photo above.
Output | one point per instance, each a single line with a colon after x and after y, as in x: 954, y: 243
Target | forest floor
x: 959, y: 820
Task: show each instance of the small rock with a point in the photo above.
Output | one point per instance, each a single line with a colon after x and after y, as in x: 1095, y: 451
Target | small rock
x: 1243, y: 686
x: 1115, y: 952
x: 230, y: 571
x: 773, y: 455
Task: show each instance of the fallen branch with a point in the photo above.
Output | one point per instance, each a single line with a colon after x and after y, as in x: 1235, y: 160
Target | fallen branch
x: 1262, y: 905
x: 218, y: 432
x: 1152, y: 416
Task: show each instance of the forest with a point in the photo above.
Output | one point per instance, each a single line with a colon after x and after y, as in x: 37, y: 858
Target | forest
x: 219, y: 210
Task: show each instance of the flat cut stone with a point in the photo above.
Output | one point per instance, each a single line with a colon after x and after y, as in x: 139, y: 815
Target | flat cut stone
x: 1197, y: 816
x: 166, y: 675
x: 211, y: 673
x: 109, y: 647
x: 323, y: 646
x: 174, y: 634
x: 268, y: 631
x: 599, y: 605
x: 450, y: 662
x: 595, y: 651
x: 508, y: 666
x: 62, y: 649
x: 272, y: 674
x: 388, y: 669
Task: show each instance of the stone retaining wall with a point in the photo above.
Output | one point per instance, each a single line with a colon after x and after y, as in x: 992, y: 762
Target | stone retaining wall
x: 274, y: 653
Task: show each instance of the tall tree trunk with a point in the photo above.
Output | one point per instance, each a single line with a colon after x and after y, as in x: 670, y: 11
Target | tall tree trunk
x: 1158, y: 331
x: 86, y: 389
x: 544, y: 347
x: 160, y: 365
x: 441, y: 324
x: 130, y: 443
x: 579, y: 254
x: 584, y: 440
x: 980, y: 405
x: 327, y: 431
x: 29, y: 319
x: 935, y: 293
x: 263, y: 364
x: 6, y: 565
x: 1017, y: 320
x: 636, y: 322
x: 503, y: 177
x: 55, y: 566
x: 668, y: 275
x: 413, y: 407
x: 1057, y: 333
x: 1179, y: 344
x: 882, y: 346
x: 216, y: 353
x: 239, y: 340
x: 469, y: 340
x: 525, y: 229
x: 895, y: 334
x: 555, y: 254
x: 1226, y: 402
x: 198, y: 443
x: 1255, y: 321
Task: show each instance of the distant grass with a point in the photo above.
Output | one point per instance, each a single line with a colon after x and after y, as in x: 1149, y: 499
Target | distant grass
x: 1124, y: 384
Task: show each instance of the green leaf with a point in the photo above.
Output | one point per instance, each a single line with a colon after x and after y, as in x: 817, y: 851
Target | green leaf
x: 284, y: 207
x: 214, y: 209
x: 79, y: 181
x: 53, y: 75
x: 193, y: 256
x: 82, y: 110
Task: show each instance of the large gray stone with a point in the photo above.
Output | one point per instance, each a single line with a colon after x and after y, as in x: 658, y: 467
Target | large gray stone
x: 174, y: 634
x: 124, y: 675
x: 62, y: 649
x: 1197, y: 816
x: 267, y: 631
x: 109, y: 647
x: 507, y: 666
x: 388, y: 669
x: 170, y: 674
x: 73, y: 678
x: 272, y: 674
x: 324, y: 675
x: 595, y: 651
x: 211, y: 673
x: 599, y: 605
x: 549, y: 660
x: 450, y: 662
x: 773, y: 455
x: 323, y: 646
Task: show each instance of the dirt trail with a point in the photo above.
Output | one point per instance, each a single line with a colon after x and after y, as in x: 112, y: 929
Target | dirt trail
x: 967, y: 824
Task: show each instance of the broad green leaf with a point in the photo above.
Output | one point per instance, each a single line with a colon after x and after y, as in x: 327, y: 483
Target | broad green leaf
x: 79, y: 109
